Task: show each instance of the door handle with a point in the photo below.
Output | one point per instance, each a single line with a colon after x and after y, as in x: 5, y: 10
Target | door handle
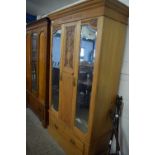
x: 74, y: 81
x: 72, y: 142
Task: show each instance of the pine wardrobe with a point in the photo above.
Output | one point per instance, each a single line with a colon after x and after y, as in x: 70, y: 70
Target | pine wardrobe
x: 37, y: 71
x: 87, y: 44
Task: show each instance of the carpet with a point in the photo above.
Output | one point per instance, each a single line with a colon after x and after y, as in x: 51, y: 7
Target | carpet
x: 38, y: 141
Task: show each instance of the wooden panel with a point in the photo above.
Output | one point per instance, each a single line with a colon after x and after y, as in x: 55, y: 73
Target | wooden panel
x: 28, y: 68
x: 38, y: 24
x: 42, y: 67
x: 62, y: 129
x: 66, y: 98
x: 88, y: 9
x: 38, y: 100
x: 69, y: 47
x: 92, y: 13
x: 70, y: 146
x: 56, y: 123
x: 35, y: 105
x: 74, y: 141
x: 67, y: 78
x: 108, y: 75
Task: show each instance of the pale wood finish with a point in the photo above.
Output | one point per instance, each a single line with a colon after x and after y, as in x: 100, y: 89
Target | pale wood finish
x: 63, y: 129
x: 112, y: 17
x: 107, y: 82
x: 67, y: 144
x: 91, y: 8
x: 108, y: 75
x: 66, y: 106
x: 67, y: 81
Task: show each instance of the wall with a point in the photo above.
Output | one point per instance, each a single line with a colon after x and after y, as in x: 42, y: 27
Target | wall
x: 124, y: 91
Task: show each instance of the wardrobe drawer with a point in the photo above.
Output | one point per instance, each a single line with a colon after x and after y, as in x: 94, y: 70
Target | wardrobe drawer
x: 56, y: 124
x: 66, y: 132
x: 70, y: 145
x: 73, y: 141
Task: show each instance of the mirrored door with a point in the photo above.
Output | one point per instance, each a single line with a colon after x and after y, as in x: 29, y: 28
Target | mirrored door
x: 85, y: 74
x: 56, y: 43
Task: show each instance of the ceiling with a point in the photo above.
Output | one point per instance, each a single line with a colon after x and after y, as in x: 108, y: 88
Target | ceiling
x: 43, y: 7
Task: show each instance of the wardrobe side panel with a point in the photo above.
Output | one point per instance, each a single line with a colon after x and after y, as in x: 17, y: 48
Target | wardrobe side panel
x: 108, y: 76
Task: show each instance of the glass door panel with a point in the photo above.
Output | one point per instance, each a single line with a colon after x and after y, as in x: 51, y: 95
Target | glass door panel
x: 85, y: 75
x: 56, y: 41
x: 34, y: 62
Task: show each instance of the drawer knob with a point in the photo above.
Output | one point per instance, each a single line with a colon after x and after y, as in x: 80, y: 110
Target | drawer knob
x: 72, y: 141
x: 55, y: 126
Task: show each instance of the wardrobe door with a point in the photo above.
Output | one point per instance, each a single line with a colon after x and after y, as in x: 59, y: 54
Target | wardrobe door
x: 86, y: 60
x: 68, y: 79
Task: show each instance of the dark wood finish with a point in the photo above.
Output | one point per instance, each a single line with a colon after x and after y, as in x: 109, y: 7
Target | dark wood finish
x: 38, y: 101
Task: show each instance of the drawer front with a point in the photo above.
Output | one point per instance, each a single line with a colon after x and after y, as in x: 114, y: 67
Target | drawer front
x: 66, y: 132
x: 69, y: 145
x: 53, y: 122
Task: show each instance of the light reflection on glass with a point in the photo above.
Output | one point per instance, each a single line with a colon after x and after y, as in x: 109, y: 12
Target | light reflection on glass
x: 85, y: 76
x: 56, y: 68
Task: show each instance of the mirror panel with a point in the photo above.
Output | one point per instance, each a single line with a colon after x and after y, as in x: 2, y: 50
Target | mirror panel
x: 56, y: 43
x: 85, y: 75
x: 34, y: 61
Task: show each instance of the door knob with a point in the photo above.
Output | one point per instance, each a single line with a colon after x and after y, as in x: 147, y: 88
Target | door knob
x: 74, y: 81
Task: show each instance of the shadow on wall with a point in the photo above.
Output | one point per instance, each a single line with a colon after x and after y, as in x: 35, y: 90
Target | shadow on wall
x: 124, y: 141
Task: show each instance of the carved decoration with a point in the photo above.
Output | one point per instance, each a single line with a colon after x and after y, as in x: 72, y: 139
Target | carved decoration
x: 69, y: 47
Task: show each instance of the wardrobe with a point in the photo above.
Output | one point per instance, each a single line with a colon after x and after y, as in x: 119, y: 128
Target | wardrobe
x: 87, y: 44
x: 37, y: 68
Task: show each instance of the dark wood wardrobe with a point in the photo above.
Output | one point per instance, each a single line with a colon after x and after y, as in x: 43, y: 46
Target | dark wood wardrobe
x: 37, y: 65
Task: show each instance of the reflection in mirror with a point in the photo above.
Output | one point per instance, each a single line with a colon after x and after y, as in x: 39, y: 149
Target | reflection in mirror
x: 34, y: 62
x: 85, y: 76
x: 56, y: 68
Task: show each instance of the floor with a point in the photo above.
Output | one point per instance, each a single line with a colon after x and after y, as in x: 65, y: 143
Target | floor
x: 38, y: 141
